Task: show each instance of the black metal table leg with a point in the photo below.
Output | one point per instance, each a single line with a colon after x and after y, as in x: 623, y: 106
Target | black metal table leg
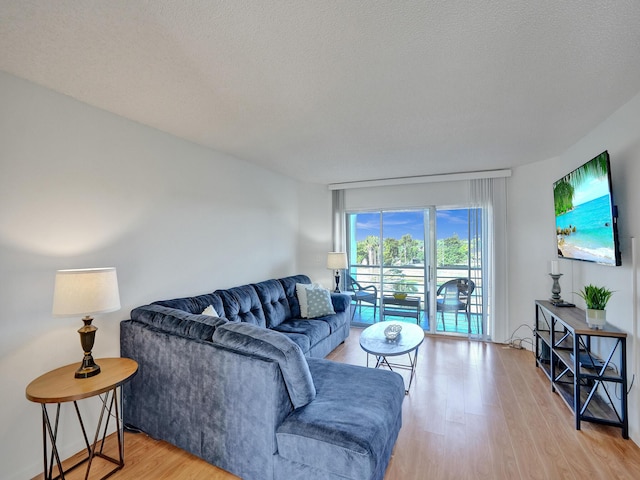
x: 50, y: 434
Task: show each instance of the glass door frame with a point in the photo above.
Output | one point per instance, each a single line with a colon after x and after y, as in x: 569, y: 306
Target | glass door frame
x: 429, y: 269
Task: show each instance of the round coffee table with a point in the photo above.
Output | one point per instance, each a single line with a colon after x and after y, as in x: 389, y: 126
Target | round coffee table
x: 374, y: 342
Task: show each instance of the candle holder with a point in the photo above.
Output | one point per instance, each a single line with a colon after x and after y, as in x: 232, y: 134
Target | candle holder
x: 555, y: 289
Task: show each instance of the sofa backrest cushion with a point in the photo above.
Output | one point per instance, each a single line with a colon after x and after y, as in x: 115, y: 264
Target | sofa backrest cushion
x: 265, y: 343
x: 195, y: 304
x: 241, y: 304
x: 177, y: 321
x: 289, y: 285
x: 274, y: 302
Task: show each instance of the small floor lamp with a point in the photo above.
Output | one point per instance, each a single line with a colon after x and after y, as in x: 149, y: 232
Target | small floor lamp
x: 86, y: 292
x: 337, y: 261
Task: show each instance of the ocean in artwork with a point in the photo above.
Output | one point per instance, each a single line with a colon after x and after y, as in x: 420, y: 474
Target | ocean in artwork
x: 593, y: 236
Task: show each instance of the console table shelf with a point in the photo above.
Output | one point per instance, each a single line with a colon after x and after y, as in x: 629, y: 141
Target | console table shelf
x: 592, y: 387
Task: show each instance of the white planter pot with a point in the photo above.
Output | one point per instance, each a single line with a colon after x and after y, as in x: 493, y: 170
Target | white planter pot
x: 596, y: 318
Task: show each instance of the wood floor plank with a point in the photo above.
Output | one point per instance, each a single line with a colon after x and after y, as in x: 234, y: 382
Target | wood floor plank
x: 475, y: 411
x: 500, y: 446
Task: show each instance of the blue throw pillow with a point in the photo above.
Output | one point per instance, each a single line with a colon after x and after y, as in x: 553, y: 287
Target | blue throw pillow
x: 319, y: 303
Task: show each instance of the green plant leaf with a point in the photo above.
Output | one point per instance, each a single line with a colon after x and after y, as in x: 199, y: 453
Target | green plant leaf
x: 595, y: 297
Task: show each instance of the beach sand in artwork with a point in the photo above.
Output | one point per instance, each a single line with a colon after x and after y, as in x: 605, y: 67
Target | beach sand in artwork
x: 571, y: 251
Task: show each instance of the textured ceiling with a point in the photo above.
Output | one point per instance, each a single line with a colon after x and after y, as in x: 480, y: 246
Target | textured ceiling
x: 331, y: 91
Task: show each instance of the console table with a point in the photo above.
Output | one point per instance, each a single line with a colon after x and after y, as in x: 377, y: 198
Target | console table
x: 60, y: 386
x: 594, y: 387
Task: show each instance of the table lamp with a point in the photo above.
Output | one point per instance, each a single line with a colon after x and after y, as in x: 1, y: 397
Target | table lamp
x: 337, y: 261
x: 86, y: 292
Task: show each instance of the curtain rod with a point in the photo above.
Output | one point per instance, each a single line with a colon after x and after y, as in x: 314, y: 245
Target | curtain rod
x: 446, y: 177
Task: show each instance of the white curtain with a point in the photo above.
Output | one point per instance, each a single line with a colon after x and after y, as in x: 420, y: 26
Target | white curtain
x: 488, y: 194
x: 339, y: 226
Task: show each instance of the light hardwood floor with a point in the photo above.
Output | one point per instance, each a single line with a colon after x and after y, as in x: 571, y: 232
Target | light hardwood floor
x: 475, y: 411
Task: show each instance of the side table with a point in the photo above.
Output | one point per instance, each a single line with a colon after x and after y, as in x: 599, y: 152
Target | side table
x: 408, y: 307
x: 59, y: 386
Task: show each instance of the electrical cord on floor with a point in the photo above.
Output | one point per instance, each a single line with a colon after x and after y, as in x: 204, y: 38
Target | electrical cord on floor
x: 516, y: 342
x: 131, y: 428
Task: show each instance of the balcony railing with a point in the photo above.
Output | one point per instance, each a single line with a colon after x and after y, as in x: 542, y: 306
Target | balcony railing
x: 410, y: 279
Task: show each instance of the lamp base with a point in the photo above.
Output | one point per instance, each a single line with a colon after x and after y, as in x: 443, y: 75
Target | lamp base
x: 89, y: 368
x: 87, y: 336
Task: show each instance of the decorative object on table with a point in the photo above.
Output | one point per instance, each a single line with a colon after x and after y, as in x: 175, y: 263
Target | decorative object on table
x: 401, y: 287
x: 337, y: 261
x: 392, y: 331
x: 86, y: 292
x: 596, y: 299
x: 555, y: 299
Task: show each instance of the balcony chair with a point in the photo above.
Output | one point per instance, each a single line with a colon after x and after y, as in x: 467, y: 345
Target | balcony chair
x: 368, y: 294
x: 453, y: 296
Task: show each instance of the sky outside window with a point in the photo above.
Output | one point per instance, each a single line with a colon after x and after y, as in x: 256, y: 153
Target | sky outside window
x: 397, y: 224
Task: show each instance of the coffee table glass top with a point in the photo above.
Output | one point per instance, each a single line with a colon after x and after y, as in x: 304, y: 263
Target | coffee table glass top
x: 373, y: 341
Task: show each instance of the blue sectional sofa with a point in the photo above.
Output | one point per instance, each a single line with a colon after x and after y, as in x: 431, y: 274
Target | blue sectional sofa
x: 247, y: 391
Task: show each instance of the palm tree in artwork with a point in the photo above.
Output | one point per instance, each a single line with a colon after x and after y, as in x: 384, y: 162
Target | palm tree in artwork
x: 564, y: 189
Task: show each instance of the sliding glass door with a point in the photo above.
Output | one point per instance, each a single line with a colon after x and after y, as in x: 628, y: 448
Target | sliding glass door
x: 389, y: 251
x: 459, y: 271
x: 405, y: 263
x: 406, y: 257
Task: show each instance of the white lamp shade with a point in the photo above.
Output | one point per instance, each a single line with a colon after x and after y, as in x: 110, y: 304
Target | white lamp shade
x: 337, y: 260
x: 85, y: 292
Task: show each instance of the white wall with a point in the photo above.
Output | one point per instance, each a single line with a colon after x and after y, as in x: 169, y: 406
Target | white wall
x: 314, y: 202
x: 80, y: 187
x: 532, y: 233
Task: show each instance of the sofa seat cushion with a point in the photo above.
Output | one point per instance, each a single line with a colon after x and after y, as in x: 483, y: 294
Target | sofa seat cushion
x: 172, y: 320
x: 272, y: 345
x: 274, y: 302
x: 241, y: 304
x: 346, y: 429
x: 335, y: 322
x: 316, y: 329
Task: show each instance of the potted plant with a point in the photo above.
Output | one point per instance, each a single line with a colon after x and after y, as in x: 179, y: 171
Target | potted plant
x: 596, y: 299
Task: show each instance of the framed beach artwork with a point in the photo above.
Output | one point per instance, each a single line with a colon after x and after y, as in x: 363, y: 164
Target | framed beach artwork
x: 586, y: 217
